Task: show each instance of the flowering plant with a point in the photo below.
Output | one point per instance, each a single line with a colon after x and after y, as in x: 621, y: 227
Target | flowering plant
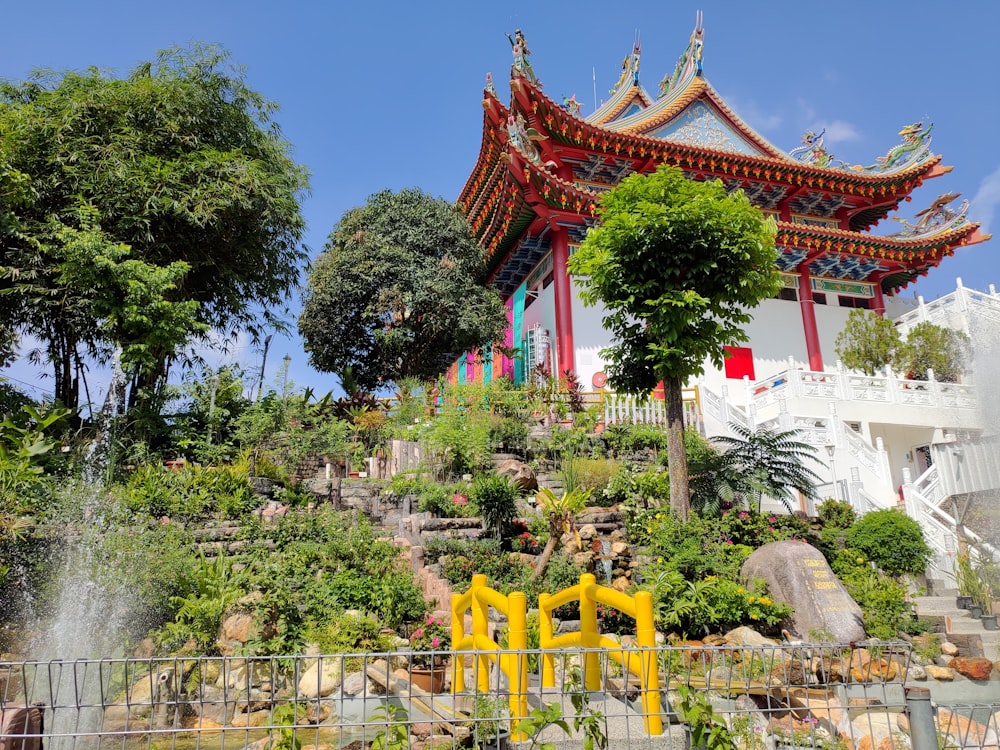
x: 431, y: 636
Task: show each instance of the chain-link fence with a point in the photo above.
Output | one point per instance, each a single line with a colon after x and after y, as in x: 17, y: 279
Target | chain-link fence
x: 753, y: 697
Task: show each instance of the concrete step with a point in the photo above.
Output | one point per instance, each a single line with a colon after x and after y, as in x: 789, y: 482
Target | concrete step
x: 958, y: 622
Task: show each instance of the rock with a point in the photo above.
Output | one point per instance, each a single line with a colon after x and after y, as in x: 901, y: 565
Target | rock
x: 354, y: 684
x: 619, y: 549
x: 253, y: 719
x: 212, y: 705
x: 145, y: 649
x: 587, y: 532
x: 797, y: 574
x: 960, y: 731
x: 942, y: 674
x: 875, y: 670
x: 519, y: 473
x: 790, y: 672
x: 621, y: 583
x: 322, y: 678
x: 916, y: 673
x: 583, y: 559
x: 874, y: 726
x: 973, y: 667
x: 450, y: 524
x: 744, y: 636
x: 949, y: 649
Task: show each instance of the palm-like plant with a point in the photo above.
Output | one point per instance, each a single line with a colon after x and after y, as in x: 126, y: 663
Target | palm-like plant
x: 754, y: 463
x: 560, y: 511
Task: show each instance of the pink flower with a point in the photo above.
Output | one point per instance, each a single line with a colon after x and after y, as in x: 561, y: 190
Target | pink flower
x: 744, y: 515
x: 435, y: 642
x: 418, y: 632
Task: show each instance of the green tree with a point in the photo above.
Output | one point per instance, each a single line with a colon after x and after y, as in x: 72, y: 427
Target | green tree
x: 868, y: 342
x: 932, y: 347
x: 678, y: 265
x: 394, y: 294
x: 143, y: 211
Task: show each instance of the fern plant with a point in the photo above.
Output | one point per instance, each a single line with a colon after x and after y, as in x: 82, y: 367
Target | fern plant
x: 754, y: 464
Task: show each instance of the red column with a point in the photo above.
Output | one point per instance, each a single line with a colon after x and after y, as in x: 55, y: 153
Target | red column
x: 564, y: 301
x: 879, y: 299
x: 806, y: 304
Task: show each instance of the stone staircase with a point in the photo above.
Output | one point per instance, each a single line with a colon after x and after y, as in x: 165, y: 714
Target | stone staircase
x: 959, y: 626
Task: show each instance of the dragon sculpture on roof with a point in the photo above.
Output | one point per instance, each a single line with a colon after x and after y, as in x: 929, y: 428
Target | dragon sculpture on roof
x: 689, y: 64
x: 935, y: 218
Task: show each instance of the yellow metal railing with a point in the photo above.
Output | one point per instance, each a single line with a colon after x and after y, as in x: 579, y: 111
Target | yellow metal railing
x: 512, y: 662
x: 642, y: 664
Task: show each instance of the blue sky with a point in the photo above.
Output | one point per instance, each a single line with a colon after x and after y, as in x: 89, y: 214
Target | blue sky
x: 380, y: 95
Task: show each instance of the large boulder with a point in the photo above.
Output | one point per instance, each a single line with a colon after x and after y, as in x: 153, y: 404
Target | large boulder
x: 519, y: 473
x: 797, y: 574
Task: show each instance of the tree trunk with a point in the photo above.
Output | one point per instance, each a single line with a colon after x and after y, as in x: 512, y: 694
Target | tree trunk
x: 680, y: 498
x: 543, y: 559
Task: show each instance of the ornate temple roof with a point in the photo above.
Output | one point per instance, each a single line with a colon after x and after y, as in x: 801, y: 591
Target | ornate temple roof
x: 542, y: 165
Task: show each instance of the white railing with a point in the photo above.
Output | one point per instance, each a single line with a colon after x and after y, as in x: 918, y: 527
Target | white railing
x: 923, y: 499
x: 841, y: 385
x: 863, y: 503
x: 943, y: 310
x: 876, y: 459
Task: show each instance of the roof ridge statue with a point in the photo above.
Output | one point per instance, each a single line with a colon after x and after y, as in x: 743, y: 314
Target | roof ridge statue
x: 630, y: 67
x: 813, y: 151
x: 935, y: 218
x: 915, y: 146
x: 689, y: 63
x: 522, y: 65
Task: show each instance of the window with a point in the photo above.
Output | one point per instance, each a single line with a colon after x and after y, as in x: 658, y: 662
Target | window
x: 858, y: 302
x: 819, y: 298
x: 789, y: 294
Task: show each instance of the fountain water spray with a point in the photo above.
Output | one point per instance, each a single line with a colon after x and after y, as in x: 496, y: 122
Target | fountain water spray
x: 91, y: 611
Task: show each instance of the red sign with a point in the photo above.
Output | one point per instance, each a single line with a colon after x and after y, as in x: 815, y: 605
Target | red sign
x: 599, y: 380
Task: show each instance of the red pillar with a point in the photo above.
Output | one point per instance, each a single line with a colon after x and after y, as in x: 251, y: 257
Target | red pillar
x: 564, y: 301
x: 806, y: 304
x: 879, y: 299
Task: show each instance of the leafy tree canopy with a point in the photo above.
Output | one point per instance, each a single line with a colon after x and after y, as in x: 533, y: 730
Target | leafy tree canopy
x: 172, y: 183
x: 946, y: 351
x: 868, y: 342
x: 395, y: 293
x: 678, y: 265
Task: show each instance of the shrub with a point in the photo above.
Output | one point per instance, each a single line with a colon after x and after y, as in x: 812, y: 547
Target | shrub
x: 883, y: 601
x: 836, y: 513
x: 351, y: 634
x: 892, y: 540
x: 710, y: 604
x: 594, y: 474
x: 192, y: 493
x: 622, y: 439
x: 494, y: 499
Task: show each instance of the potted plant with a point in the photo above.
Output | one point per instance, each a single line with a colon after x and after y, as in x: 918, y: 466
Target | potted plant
x: 488, y: 722
x: 966, y: 580
x: 429, y: 655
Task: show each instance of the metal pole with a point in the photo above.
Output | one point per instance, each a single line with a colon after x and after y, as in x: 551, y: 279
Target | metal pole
x: 923, y: 733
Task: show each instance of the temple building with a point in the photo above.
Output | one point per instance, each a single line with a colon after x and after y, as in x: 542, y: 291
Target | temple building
x: 885, y: 440
x: 542, y: 165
